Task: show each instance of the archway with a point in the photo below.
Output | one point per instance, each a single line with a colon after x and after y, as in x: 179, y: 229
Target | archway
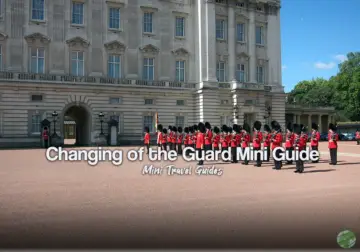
x: 81, y: 117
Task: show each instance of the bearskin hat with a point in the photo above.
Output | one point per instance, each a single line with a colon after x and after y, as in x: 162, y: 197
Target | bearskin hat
x: 246, y: 127
x: 179, y: 130
x: 207, y: 125
x: 164, y: 131
x: 267, y: 128
x: 174, y: 129
x: 195, y: 127
x: 186, y: 129
x: 216, y: 130
x: 289, y: 127
x: 240, y: 128
x: 191, y: 129
x: 297, y: 129
x: 160, y: 127
x: 224, y: 128
x: 201, y: 127
x: 314, y: 126
x: 275, y: 125
x: 146, y: 129
x: 235, y: 127
x: 332, y: 127
x: 257, y: 125
x: 303, y: 128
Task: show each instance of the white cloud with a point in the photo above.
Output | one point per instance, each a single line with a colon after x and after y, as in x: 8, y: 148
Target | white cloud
x: 340, y: 57
x: 284, y: 67
x: 322, y: 65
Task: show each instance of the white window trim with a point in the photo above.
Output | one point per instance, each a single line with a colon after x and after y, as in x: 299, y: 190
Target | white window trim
x: 120, y: 65
x: 262, y: 74
x: 72, y: 9
x: 37, y: 59
x: 239, y: 71
x: 120, y: 23
x: 218, y: 69
x: 148, y: 67
x: 183, y: 28
x: 32, y: 132
x: 77, y: 60
x: 176, y: 69
x: 224, y: 33
x: 243, y: 33
x: 31, y: 10
x: 152, y: 22
x: 262, y: 35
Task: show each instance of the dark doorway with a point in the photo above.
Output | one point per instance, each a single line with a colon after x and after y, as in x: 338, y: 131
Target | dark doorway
x: 77, y: 126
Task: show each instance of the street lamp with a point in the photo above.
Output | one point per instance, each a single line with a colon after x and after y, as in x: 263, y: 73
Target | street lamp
x: 101, y: 116
x: 54, y: 115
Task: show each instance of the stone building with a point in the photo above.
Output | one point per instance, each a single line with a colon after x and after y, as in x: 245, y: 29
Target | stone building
x: 185, y: 60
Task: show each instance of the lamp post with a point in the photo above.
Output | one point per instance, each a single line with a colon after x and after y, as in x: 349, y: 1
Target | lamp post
x: 54, y: 115
x: 101, y: 116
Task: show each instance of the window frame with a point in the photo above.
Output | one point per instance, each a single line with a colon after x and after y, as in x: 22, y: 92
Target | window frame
x: 32, y: 18
x: 148, y: 68
x: 73, y: 3
x: 77, y: 60
x: 218, y: 71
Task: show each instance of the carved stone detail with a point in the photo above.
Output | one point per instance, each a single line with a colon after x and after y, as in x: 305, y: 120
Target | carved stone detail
x: 3, y: 36
x: 180, y: 52
x: 149, y: 49
x: 115, y: 45
x: 242, y: 55
x: 31, y: 38
x: 78, y: 41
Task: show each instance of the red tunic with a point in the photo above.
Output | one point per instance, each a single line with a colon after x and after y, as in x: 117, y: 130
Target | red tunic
x: 267, y: 138
x: 277, y: 141
x: 228, y: 139
x: 257, y: 138
x: 289, y: 140
x: 180, y: 138
x: 208, y: 137
x: 238, y: 138
x: 357, y: 135
x: 233, y: 142
x: 45, y: 135
x: 194, y: 137
x: 200, y: 141
x: 316, y: 139
x: 168, y: 137
x: 301, y: 143
x: 246, y: 141
x: 223, y: 141
x: 159, y: 138
x: 333, y: 143
x: 173, y: 137
x: 216, y: 141
x: 191, y: 139
x: 187, y: 138
x: 147, y: 138
x: 163, y: 140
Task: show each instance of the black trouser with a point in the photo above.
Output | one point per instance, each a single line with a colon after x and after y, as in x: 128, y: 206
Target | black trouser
x: 315, y: 148
x: 208, y: 147
x: 201, y: 162
x: 234, y: 154
x: 289, y: 150
x: 333, y: 156
x: 216, y: 148
x: 278, y: 164
x: 299, y: 166
x: 159, y: 145
x: 46, y: 143
x: 226, y: 155
x: 267, y: 157
x: 358, y: 141
x: 246, y: 161
x: 147, y: 146
x: 179, y: 148
x: 164, y: 147
x: 258, y: 156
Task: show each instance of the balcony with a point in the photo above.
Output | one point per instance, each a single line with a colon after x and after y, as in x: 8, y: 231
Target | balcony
x: 90, y: 81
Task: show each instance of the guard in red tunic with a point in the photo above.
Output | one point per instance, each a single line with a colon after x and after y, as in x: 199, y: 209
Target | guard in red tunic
x: 216, y: 139
x: 257, y: 139
x: 200, y: 141
x: 333, y: 139
x: 208, y: 137
x: 186, y: 139
x: 289, y: 142
x: 223, y: 140
x: 315, y: 138
x: 191, y: 138
x: 299, y: 145
x: 267, y: 141
x: 276, y: 141
x: 179, y: 140
x: 174, y: 138
x: 245, y: 141
x: 147, y: 139
x: 45, y: 136
x: 234, y: 143
x: 196, y: 129
x: 168, y: 138
x: 357, y: 137
x: 159, y: 140
x: 164, y: 139
x: 238, y: 136
x: 304, y: 133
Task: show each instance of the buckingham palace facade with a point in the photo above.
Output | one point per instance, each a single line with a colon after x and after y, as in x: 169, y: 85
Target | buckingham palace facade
x: 183, y: 60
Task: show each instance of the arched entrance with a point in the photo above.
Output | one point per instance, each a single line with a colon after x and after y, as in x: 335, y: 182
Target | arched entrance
x: 81, y: 117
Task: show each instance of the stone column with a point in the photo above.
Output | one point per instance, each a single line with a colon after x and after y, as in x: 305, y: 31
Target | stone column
x: 252, y: 47
x: 294, y: 118
x: 329, y: 119
x: 320, y: 124
x: 231, y: 43
x: 309, y: 122
x: 210, y: 42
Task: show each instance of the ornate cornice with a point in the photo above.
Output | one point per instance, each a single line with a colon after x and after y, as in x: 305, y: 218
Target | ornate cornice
x: 115, y: 45
x: 243, y: 55
x: 149, y: 49
x: 3, y: 36
x: 31, y: 38
x: 180, y: 52
x: 78, y: 41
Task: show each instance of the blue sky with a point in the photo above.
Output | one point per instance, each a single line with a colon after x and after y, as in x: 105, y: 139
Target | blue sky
x: 315, y: 37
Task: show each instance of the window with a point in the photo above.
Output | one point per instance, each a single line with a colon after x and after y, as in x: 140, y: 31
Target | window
x: 38, y: 10
x: 180, y: 27
x: 180, y: 71
x: 148, y: 22
x: 37, y: 62
x: 36, y: 98
x: 1, y: 57
x: 260, y: 74
x: 149, y: 122
x: 115, y: 100
x: 114, y: 18
x: 240, y: 32
x: 220, y: 29
x: 114, y: 66
x: 225, y: 120
x: 240, y: 73
x: 180, y: 102
x: 259, y: 35
x: 240, y: 4
x: 148, y: 70
x: 180, y: 121
x: 77, y: 13
x: 149, y: 101
x: 35, y: 124
x: 77, y: 63
x: 220, y: 71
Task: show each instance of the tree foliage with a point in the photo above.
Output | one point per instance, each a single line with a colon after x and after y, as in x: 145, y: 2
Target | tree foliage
x: 341, y: 91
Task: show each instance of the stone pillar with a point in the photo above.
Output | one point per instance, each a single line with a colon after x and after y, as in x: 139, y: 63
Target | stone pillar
x: 329, y: 119
x: 231, y: 43
x: 309, y: 122
x: 294, y: 118
x: 252, y: 47
x: 210, y: 41
x: 208, y: 104
x: 320, y: 124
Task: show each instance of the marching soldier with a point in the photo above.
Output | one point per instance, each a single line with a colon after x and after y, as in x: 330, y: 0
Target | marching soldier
x: 208, y: 137
x: 239, y: 136
x: 191, y: 137
x: 299, y: 145
x: 196, y: 129
x: 147, y: 139
x: 333, y: 139
x: 357, y: 136
x: 267, y: 141
x: 223, y: 139
x: 234, y: 144
x: 186, y: 139
x: 245, y: 140
x: 159, y: 135
x: 164, y: 140
x: 216, y: 139
x: 168, y: 138
x: 315, y: 138
x: 289, y: 143
x: 200, y: 141
x: 304, y: 133
x: 276, y: 141
x: 257, y: 139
